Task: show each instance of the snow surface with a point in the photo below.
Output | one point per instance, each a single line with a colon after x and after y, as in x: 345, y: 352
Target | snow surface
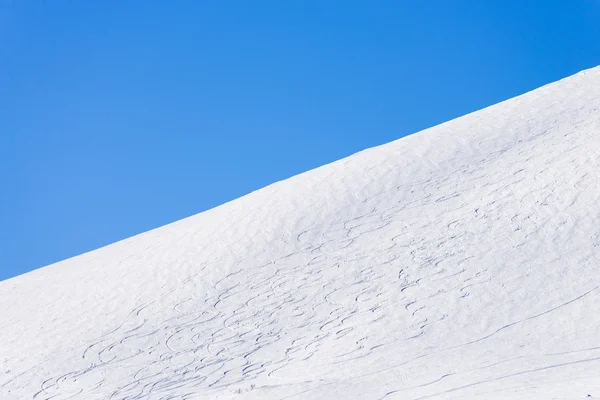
x: 459, y: 262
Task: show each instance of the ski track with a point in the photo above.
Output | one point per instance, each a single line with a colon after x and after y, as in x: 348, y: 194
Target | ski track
x: 460, y: 262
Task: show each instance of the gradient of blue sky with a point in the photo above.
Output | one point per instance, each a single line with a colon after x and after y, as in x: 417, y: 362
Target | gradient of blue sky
x: 120, y: 116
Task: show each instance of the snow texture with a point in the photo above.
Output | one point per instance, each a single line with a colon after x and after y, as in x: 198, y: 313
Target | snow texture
x: 459, y: 262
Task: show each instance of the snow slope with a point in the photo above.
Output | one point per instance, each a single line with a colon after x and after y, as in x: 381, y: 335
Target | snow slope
x: 459, y: 262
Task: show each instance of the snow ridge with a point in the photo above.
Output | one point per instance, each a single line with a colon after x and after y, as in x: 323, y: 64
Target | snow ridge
x: 459, y: 262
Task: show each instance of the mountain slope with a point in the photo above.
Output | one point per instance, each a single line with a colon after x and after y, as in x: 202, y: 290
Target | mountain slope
x: 459, y: 262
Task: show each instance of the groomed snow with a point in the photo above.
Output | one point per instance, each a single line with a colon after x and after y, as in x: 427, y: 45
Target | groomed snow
x: 459, y: 262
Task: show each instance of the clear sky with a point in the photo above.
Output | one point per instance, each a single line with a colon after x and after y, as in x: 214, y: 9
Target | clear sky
x: 121, y: 116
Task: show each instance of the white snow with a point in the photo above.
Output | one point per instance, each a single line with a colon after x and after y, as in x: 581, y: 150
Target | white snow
x: 459, y: 262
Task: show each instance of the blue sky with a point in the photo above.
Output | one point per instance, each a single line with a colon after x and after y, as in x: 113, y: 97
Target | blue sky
x: 120, y: 116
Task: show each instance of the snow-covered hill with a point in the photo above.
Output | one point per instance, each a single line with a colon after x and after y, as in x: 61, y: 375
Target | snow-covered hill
x: 459, y: 262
